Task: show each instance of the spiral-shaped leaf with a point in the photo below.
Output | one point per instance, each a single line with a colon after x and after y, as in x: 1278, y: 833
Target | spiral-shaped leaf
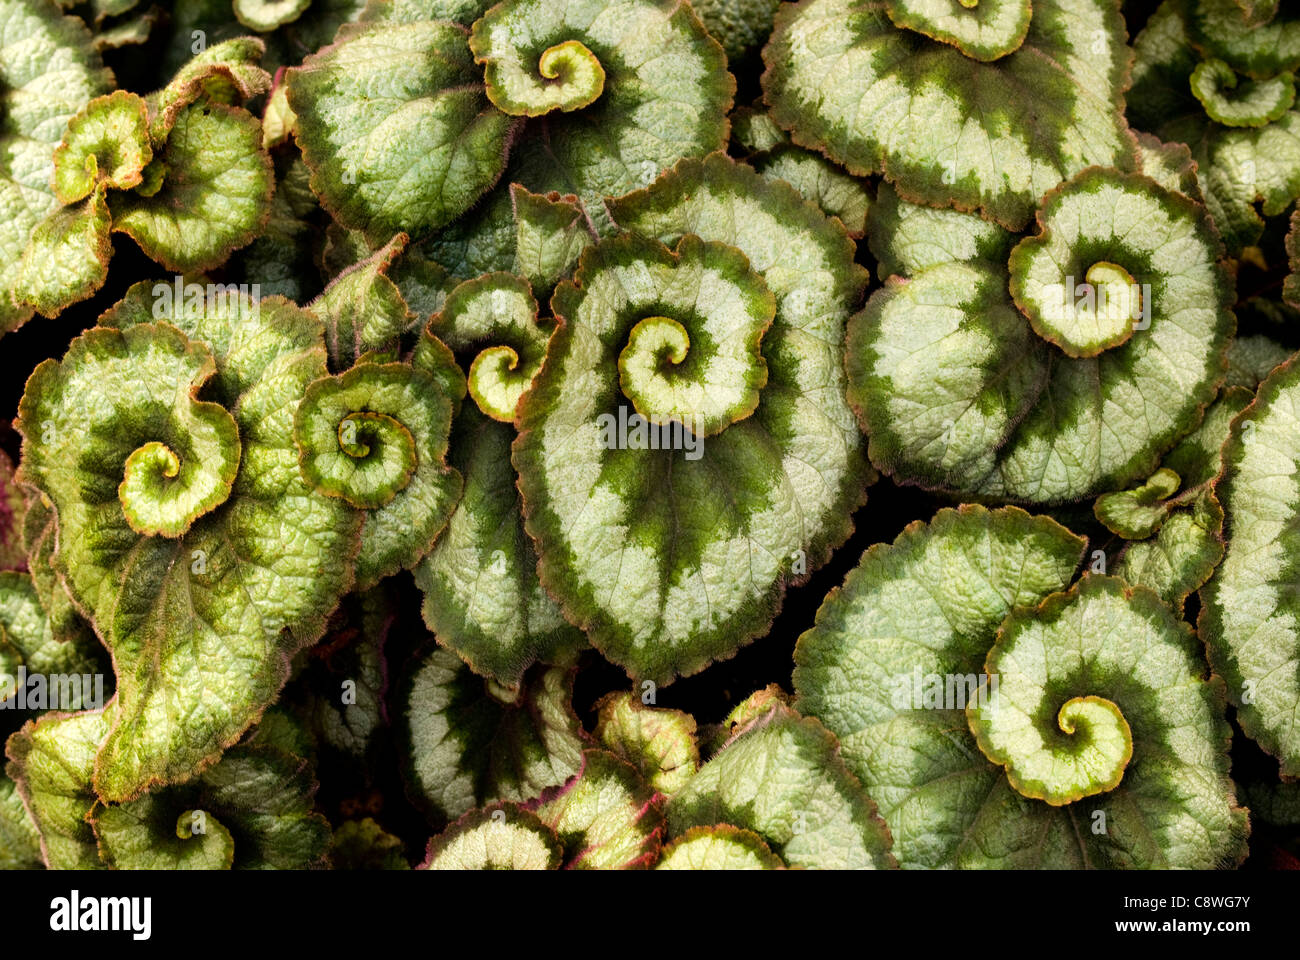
x: 956, y: 389
x: 252, y: 810
x: 567, y: 76
x: 1027, y: 120
x: 1184, y: 97
x: 1222, y: 29
x: 376, y: 437
x: 482, y: 597
x: 176, y: 456
x: 665, y: 92
x: 1058, y: 743
x: 1252, y: 103
x: 199, y: 617
x: 963, y: 615
x: 494, y: 320
x: 638, y: 542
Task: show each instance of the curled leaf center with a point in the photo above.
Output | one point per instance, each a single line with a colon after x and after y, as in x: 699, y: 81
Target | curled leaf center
x: 1085, y: 282
x: 191, y: 823
x: 358, y: 427
x: 495, y: 318
x: 654, y: 348
x: 1238, y: 102
x: 162, y: 494
x: 569, y: 78
x: 1117, y: 300
x: 352, y: 435
x: 496, y: 381
x: 703, y: 367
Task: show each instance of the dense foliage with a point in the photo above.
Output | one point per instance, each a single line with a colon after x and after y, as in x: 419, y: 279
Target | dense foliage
x: 442, y: 434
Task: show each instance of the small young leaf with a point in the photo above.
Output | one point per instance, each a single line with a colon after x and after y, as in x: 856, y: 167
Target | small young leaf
x: 658, y: 742
x: 781, y: 777
x: 365, y: 845
x: 265, y: 15
x: 1252, y: 103
x: 1137, y: 514
x: 376, y: 437
x: 606, y: 817
x: 108, y: 143
x: 550, y: 233
x: 496, y: 316
x: 1236, y: 166
x: 51, y: 71
x: 362, y: 307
